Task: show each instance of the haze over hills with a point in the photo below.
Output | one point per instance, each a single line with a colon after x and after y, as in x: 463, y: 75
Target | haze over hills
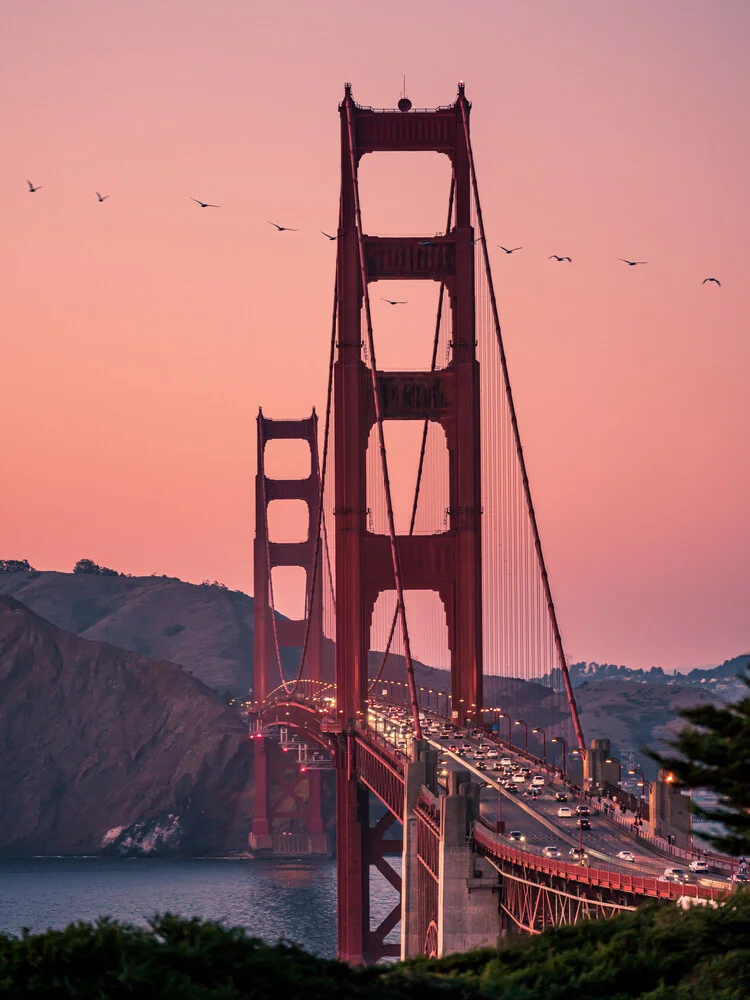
x: 208, y: 630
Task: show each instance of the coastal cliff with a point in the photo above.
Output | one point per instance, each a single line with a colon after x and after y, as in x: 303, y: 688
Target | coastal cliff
x: 103, y: 749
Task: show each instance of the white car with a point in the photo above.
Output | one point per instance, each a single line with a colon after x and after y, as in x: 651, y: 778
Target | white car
x: 564, y: 812
x: 506, y: 762
x: 537, y: 781
x: 626, y: 856
x: 551, y: 852
x: 492, y: 753
x: 519, y: 778
x: 698, y: 866
x: 517, y: 835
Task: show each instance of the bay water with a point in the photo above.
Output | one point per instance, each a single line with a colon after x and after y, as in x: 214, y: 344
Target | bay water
x: 290, y: 899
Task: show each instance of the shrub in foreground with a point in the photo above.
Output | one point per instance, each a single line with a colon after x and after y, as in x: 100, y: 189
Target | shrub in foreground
x: 656, y: 953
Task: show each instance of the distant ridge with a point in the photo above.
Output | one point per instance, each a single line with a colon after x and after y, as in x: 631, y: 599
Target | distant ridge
x: 205, y: 628
x: 582, y: 673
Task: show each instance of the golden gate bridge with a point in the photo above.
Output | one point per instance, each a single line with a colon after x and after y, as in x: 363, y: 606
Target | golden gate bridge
x: 471, y: 557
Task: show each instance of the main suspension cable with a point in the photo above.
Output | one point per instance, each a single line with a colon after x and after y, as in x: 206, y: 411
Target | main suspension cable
x: 395, y: 556
x: 517, y: 441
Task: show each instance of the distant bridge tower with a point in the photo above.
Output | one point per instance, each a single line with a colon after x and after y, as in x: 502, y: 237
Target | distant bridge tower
x: 275, y: 787
x: 269, y: 554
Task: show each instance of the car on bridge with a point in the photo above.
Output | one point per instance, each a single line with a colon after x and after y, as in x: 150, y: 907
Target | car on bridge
x: 561, y: 797
x: 519, y: 778
x: 506, y: 762
x: 551, y: 852
x: 537, y: 781
x: 674, y: 875
x: 583, y: 823
x: 578, y: 854
x: 626, y: 856
x: 517, y: 835
x: 698, y: 866
x: 583, y: 811
x: 564, y: 812
x: 740, y: 878
x: 510, y: 787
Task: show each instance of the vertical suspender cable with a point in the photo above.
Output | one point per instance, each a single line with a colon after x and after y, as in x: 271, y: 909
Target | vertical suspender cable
x: 517, y: 440
x: 316, y: 558
x: 425, y: 429
x: 395, y: 557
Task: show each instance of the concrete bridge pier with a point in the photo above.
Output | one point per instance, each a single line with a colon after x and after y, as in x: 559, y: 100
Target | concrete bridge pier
x: 469, y: 887
x: 417, y: 773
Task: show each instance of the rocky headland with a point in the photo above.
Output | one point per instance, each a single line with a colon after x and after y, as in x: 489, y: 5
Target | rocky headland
x: 105, y: 749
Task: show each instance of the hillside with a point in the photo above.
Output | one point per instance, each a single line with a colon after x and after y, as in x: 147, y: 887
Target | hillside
x: 634, y: 716
x: 205, y: 628
x: 100, y: 745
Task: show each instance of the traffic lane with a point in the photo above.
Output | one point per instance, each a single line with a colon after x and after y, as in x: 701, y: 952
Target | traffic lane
x: 518, y: 817
x: 602, y: 838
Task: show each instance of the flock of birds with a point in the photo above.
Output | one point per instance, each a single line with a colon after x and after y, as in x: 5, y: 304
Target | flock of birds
x: 33, y: 188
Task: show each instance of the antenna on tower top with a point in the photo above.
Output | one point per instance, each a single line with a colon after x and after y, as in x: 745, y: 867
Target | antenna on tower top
x: 404, y: 104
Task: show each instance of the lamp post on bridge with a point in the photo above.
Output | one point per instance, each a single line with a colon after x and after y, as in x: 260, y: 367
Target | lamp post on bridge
x: 522, y: 722
x: 560, y: 739
x: 538, y: 729
x: 643, y: 785
x: 504, y: 715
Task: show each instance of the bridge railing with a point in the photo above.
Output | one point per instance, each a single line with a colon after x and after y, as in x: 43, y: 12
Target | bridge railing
x: 639, y: 885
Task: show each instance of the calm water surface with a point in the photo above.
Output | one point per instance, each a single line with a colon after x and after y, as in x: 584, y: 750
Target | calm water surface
x: 292, y: 899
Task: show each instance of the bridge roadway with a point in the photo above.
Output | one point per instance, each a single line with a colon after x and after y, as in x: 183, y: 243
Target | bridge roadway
x: 536, y: 819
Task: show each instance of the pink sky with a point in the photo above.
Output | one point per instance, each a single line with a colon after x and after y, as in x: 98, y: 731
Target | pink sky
x: 140, y: 335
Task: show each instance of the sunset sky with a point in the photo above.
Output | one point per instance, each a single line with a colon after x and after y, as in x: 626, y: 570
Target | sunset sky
x: 140, y: 335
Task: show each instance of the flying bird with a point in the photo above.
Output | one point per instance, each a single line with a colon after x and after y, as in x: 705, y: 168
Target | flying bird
x: 204, y: 204
x: 327, y: 235
x: 101, y: 197
x: 632, y: 263
x: 32, y: 189
x: 507, y: 250
x: 394, y: 302
x: 285, y: 229
x: 715, y: 280
x: 555, y: 257
x: 478, y: 239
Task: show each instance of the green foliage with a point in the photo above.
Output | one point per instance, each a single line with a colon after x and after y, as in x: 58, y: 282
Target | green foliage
x: 713, y: 752
x: 15, y: 566
x: 93, y: 569
x: 176, y: 959
x: 656, y: 953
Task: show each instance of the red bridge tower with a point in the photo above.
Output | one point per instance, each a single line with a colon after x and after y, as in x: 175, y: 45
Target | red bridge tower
x: 449, y: 562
